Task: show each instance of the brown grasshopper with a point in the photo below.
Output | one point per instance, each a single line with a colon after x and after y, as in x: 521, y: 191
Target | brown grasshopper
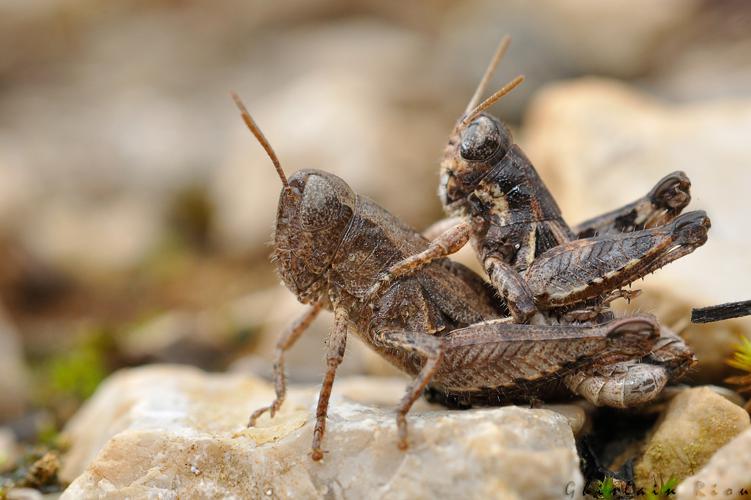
x: 443, y: 324
x: 546, y: 271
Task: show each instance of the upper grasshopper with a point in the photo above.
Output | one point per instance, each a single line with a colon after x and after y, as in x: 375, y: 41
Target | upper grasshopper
x: 532, y: 257
x: 443, y: 324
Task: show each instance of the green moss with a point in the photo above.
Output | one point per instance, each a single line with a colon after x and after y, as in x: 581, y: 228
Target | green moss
x: 48, y: 435
x: 77, y: 373
x: 64, y: 380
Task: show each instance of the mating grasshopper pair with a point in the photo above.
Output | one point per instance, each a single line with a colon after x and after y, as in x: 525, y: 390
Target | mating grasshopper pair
x: 540, y: 327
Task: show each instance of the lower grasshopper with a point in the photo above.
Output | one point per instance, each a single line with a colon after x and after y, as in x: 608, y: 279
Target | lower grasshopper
x: 443, y: 325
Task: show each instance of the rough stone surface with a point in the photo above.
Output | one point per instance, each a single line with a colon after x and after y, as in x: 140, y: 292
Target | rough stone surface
x: 696, y: 424
x: 27, y: 494
x: 176, y: 432
x: 600, y: 144
x: 729, y: 470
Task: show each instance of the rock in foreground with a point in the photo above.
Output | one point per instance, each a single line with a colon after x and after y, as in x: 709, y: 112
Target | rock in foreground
x: 728, y: 472
x: 176, y: 432
x: 697, y: 423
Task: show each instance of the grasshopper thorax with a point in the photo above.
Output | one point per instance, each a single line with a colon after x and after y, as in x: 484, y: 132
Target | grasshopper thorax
x: 313, y: 215
x: 472, y: 151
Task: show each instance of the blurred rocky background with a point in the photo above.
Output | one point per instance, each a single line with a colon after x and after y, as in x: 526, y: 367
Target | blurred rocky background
x: 136, y: 209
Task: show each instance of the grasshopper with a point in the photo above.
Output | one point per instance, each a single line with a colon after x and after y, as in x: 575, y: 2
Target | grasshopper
x: 546, y: 271
x: 443, y: 325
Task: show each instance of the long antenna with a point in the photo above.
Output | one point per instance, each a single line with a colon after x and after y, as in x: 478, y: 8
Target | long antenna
x: 499, y: 53
x: 493, y: 99
x: 256, y: 131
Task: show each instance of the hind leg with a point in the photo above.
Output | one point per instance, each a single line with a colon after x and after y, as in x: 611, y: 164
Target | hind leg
x: 662, y: 204
x: 588, y: 268
x: 634, y: 382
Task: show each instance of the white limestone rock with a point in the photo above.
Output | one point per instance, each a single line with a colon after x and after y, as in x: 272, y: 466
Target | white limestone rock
x: 176, y: 432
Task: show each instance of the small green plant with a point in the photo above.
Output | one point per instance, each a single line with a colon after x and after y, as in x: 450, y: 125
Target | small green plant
x: 77, y: 373
x: 742, y: 361
x: 63, y: 380
x: 664, y: 491
x: 606, y: 488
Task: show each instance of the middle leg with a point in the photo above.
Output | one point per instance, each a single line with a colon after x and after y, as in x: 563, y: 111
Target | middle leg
x: 428, y: 348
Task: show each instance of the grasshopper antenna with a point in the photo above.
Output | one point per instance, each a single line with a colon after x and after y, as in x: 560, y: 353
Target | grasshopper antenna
x: 499, y: 53
x: 493, y: 99
x: 256, y: 131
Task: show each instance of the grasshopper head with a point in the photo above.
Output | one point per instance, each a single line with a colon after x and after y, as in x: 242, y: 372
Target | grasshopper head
x: 314, y: 212
x: 472, y: 150
x: 315, y: 209
x: 477, y: 142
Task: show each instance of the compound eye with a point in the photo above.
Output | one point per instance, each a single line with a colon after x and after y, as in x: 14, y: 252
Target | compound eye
x: 320, y: 204
x: 480, y: 139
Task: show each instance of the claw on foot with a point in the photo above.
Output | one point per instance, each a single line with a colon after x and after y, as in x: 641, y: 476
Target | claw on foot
x: 257, y: 414
x: 629, y: 295
x: 401, y: 427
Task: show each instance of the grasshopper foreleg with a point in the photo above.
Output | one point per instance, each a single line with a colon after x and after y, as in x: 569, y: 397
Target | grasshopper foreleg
x: 336, y: 345
x: 286, y: 341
